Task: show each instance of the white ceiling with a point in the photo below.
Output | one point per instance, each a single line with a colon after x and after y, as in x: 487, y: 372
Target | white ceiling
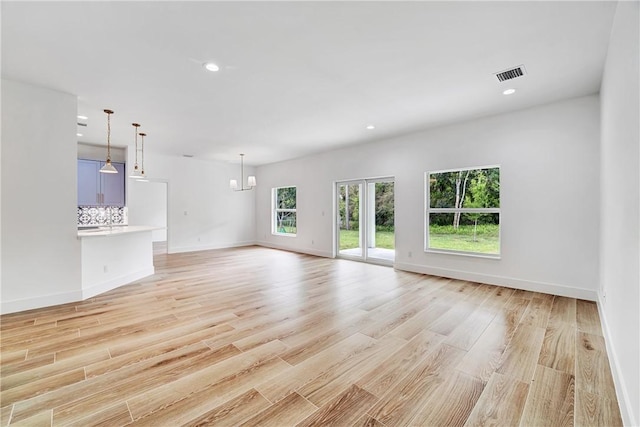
x: 298, y: 77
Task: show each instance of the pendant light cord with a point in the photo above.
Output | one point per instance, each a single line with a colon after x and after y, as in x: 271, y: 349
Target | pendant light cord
x: 108, y: 137
x: 109, y: 113
x: 142, y: 135
x: 135, y: 129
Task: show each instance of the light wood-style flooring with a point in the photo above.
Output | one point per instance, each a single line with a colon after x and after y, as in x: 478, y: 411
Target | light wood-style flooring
x: 260, y: 337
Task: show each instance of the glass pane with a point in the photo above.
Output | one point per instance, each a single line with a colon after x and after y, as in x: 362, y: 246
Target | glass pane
x: 384, y: 218
x: 475, y: 188
x: 479, y: 233
x: 286, y: 222
x: 349, y: 219
x: 286, y: 198
x: 381, y: 237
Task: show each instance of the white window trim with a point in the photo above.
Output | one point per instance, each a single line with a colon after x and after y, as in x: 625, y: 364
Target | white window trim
x: 429, y: 210
x: 275, y: 211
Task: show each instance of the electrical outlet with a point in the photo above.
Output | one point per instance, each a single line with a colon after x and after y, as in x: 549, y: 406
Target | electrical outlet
x: 105, y: 269
x: 312, y: 242
x: 410, y: 254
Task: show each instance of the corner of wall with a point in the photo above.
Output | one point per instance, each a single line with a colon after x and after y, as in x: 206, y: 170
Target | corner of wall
x: 624, y: 401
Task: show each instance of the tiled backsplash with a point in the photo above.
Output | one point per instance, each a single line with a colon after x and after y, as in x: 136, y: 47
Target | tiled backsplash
x: 99, y: 215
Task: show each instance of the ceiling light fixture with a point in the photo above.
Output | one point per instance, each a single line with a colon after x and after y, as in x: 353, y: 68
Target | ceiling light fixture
x: 371, y: 127
x: 251, y: 180
x: 83, y: 117
x: 78, y: 134
x: 108, y: 167
x: 211, y: 66
x: 509, y: 91
x: 136, y: 171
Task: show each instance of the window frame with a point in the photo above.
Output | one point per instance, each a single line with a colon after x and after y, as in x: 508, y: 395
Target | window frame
x: 275, y: 210
x: 429, y: 210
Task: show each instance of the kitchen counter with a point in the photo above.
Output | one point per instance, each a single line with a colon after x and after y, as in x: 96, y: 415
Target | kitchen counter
x: 112, y: 257
x: 115, y: 230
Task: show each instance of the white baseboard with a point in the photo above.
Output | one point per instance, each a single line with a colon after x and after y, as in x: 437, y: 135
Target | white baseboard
x: 39, y: 302
x: 308, y: 251
x: 618, y: 378
x: 182, y: 249
x: 107, y: 285
x: 75, y: 296
x: 509, y: 282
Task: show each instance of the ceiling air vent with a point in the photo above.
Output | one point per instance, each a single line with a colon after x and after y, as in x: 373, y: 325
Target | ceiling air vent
x: 511, y: 73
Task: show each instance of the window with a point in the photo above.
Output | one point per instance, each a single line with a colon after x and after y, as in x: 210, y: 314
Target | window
x: 284, y: 211
x: 463, y: 211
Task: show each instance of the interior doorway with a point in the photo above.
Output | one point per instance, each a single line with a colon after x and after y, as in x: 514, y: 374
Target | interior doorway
x: 365, y: 228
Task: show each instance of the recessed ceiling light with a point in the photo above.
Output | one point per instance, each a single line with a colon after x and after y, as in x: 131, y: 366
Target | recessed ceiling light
x: 78, y: 134
x: 509, y: 92
x: 371, y: 127
x: 83, y: 117
x: 211, y: 66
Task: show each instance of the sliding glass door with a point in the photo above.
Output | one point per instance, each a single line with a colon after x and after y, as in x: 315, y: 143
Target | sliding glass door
x: 365, y: 220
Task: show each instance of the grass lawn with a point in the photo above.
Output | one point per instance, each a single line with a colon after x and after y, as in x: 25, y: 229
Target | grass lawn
x: 349, y: 239
x: 486, y: 240
x: 288, y: 229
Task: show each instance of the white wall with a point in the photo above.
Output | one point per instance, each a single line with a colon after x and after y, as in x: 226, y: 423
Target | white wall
x: 203, y: 212
x: 1, y: 181
x: 99, y: 152
x: 620, y: 209
x: 40, y: 249
x: 149, y: 206
x: 549, y: 195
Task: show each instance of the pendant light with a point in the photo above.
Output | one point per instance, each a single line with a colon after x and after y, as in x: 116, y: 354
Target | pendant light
x: 142, y: 135
x: 251, y: 180
x: 136, y: 171
x: 108, y: 167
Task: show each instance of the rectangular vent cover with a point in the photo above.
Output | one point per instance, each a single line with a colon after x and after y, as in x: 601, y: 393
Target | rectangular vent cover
x: 511, y: 73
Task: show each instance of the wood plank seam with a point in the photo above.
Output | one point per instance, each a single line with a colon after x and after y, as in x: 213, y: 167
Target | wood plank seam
x: 308, y: 312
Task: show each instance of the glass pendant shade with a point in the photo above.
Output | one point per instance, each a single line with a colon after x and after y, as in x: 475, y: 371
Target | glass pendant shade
x: 108, y: 167
x: 251, y: 181
x: 136, y: 173
x: 233, y: 184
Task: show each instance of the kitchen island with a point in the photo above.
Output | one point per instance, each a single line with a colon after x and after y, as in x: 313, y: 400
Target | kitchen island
x: 114, y: 256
